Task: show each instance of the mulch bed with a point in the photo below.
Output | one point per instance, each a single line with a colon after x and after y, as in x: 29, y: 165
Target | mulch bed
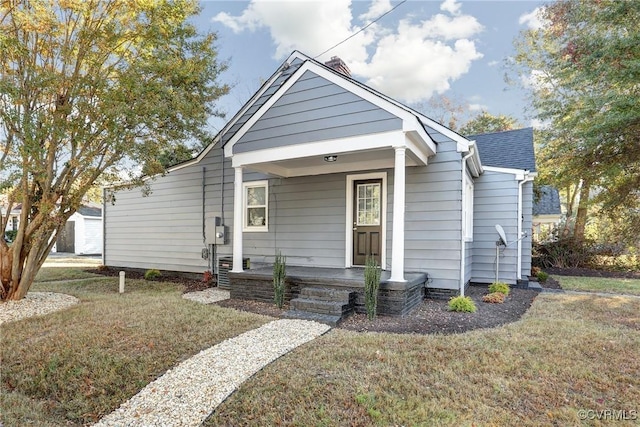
x: 190, y: 284
x: 431, y: 317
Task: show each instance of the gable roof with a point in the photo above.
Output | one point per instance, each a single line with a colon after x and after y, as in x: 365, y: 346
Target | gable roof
x: 509, y: 149
x: 436, y: 131
x: 547, y: 201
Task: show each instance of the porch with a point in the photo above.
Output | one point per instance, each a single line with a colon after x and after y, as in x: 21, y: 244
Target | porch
x: 394, y: 298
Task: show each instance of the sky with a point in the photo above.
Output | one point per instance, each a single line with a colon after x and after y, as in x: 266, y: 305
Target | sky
x: 417, y: 51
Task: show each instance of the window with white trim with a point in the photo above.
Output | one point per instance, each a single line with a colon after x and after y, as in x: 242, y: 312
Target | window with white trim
x: 467, y: 208
x: 256, y: 206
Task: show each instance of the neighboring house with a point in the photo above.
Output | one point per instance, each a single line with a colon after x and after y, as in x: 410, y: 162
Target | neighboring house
x: 547, y: 211
x: 329, y: 171
x: 14, y: 218
x: 83, y: 233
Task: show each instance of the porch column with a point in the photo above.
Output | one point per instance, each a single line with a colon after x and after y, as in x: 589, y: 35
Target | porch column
x: 397, y: 243
x: 237, y: 221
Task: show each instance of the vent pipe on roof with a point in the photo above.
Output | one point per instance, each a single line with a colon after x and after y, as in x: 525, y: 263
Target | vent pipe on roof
x: 338, y: 65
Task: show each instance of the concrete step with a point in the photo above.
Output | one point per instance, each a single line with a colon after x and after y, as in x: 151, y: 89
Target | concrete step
x: 321, y: 307
x: 326, y: 294
x: 327, y: 319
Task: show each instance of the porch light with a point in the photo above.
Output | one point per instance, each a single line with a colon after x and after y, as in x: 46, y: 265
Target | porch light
x: 331, y: 158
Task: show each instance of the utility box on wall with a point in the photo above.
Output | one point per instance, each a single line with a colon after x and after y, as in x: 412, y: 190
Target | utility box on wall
x: 216, y: 233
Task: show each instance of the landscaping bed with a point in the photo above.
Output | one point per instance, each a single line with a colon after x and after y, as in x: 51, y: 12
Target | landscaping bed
x: 190, y: 283
x: 589, y: 272
x: 430, y: 317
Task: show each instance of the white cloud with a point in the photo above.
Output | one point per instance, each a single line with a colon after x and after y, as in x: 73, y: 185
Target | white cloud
x: 478, y: 107
x: 451, y: 6
x: 411, y: 61
x: 534, y: 19
x: 377, y: 8
x: 537, y: 80
x: 493, y: 63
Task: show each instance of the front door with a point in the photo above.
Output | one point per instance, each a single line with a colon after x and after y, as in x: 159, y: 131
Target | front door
x: 367, y: 220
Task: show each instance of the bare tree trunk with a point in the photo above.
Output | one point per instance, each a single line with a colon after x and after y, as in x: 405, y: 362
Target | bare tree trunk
x: 571, y: 200
x: 6, y: 260
x: 581, y: 215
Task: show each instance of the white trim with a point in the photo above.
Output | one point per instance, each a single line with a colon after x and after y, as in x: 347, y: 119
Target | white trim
x: 520, y: 219
x: 467, y: 183
x: 245, y: 206
x: 518, y: 172
x: 397, y: 243
x: 237, y: 221
x: 348, y: 257
x: 320, y: 148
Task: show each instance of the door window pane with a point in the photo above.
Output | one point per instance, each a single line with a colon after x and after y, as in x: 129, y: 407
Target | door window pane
x: 368, y: 204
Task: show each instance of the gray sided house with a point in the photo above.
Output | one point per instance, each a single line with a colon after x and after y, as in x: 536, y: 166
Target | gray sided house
x: 328, y: 171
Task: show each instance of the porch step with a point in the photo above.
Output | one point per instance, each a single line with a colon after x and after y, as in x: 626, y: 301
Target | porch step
x: 534, y: 286
x: 324, y: 305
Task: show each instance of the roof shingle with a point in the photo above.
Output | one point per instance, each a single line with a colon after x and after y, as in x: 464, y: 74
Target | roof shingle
x: 509, y: 149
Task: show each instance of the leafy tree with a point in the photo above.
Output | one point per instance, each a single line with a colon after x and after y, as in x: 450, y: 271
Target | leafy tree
x: 88, y: 88
x: 487, y: 123
x: 584, y: 68
x: 168, y: 157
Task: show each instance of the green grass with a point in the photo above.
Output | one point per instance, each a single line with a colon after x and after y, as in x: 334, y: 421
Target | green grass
x: 569, y: 352
x: 600, y: 284
x: 50, y: 274
x: 74, y: 366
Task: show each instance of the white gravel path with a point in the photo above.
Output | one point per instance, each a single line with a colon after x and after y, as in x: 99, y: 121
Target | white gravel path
x: 208, y: 296
x: 35, y: 304
x: 187, y: 394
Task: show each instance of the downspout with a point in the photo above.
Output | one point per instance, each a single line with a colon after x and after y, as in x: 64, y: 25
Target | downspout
x: 462, y: 219
x: 526, y: 178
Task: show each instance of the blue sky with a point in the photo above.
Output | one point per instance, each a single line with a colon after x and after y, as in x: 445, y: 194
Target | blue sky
x: 418, y: 51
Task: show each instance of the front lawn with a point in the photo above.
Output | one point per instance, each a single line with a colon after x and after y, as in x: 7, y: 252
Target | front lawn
x: 600, y: 284
x: 74, y: 366
x: 51, y: 274
x: 569, y: 352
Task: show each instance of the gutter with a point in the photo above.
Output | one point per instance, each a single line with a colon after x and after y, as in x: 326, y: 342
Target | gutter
x: 472, y: 149
x: 525, y: 178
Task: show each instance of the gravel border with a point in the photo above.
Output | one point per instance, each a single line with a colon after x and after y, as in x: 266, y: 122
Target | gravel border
x: 35, y: 304
x: 188, y: 393
x: 208, y: 296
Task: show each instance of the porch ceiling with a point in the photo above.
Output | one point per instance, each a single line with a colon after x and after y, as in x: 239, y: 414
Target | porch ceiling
x: 351, y: 161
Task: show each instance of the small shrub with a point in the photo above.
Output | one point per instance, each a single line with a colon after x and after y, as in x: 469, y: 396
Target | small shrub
x: 535, y: 271
x: 207, y: 278
x: 372, y: 273
x: 494, y: 298
x: 542, y: 276
x: 503, y: 288
x: 151, y: 274
x: 462, y: 304
x: 279, y: 275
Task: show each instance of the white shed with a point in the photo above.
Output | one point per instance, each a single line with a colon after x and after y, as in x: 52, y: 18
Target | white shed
x: 83, y: 233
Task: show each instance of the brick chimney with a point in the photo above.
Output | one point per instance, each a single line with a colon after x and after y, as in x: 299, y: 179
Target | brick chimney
x: 338, y: 65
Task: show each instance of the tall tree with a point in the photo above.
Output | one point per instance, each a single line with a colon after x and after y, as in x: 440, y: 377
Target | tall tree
x: 584, y: 69
x: 487, y: 123
x: 87, y: 88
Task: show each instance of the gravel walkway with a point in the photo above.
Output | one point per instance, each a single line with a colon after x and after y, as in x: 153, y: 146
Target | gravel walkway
x: 35, y: 304
x: 208, y: 296
x: 187, y: 394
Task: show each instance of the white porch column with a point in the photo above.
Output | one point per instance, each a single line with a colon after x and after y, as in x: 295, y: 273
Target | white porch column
x: 237, y: 221
x: 397, y: 243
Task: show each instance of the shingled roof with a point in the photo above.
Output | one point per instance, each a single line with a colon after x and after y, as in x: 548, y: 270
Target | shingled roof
x: 509, y: 149
x: 547, y: 201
